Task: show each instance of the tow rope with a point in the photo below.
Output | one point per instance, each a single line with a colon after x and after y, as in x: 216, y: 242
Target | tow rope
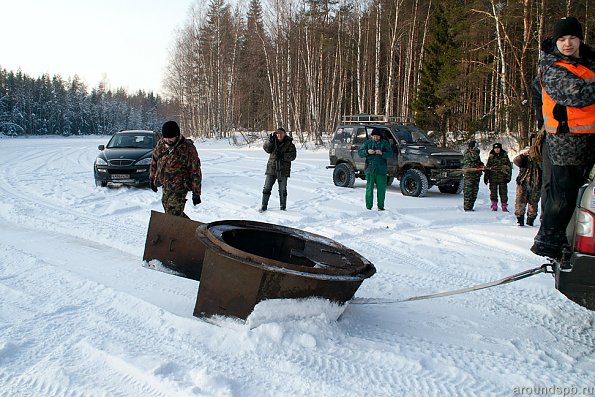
x: 505, y: 280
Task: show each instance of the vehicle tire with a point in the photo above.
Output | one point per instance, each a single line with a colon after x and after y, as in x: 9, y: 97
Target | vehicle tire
x: 453, y: 188
x: 414, y: 183
x: 390, y: 180
x: 100, y: 183
x: 343, y: 175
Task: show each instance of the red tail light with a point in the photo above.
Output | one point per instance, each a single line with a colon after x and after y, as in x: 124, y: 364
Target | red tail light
x: 585, y: 232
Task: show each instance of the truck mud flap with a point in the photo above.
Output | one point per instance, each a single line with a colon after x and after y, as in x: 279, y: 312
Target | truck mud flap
x: 578, y: 284
x: 172, y: 240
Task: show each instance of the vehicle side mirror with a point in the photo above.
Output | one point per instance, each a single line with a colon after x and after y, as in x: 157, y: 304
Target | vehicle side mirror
x: 101, y: 147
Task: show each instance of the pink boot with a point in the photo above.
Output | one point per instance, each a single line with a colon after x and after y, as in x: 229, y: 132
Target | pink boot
x: 504, y: 207
x: 494, y: 205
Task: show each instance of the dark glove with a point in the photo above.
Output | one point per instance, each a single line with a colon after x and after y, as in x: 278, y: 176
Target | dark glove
x: 195, y: 199
x: 561, y: 115
x: 152, y: 185
x: 272, y: 138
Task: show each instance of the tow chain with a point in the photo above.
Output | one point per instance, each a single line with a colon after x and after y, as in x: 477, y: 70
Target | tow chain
x: 505, y: 280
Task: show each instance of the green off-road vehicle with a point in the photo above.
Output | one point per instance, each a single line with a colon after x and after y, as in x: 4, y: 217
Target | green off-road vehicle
x: 418, y: 163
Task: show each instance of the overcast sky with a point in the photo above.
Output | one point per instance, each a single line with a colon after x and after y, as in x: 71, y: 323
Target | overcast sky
x: 126, y: 42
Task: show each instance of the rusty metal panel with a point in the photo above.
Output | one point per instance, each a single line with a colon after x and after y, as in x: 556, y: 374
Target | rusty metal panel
x: 172, y: 240
x: 228, y: 287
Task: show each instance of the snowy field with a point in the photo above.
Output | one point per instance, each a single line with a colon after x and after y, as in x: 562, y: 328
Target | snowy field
x: 81, y: 316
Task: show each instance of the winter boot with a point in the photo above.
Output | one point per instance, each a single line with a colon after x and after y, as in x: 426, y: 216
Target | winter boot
x: 265, y: 202
x: 520, y: 220
x: 530, y: 221
x: 283, y: 202
x: 504, y: 207
x: 494, y: 205
x: 549, y: 243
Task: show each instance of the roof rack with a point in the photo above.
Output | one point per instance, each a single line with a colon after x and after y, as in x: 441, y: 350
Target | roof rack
x: 376, y: 119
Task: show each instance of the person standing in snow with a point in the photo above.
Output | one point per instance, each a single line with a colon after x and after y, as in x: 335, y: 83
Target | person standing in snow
x: 528, y: 186
x: 377, y: 152
x: 497, y: 174
x: 567, y: 76
x: 175, y: 166
x: 281, y: 153
x: 473, y: 166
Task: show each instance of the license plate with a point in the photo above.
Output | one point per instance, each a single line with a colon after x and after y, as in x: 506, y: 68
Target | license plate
x: 444, y: 174
x: 120, y: 176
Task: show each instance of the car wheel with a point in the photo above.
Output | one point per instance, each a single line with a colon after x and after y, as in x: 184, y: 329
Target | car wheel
x: 414, y: 183
x: 453, y: 188
x: 390, y: 180
x: 343, y: 175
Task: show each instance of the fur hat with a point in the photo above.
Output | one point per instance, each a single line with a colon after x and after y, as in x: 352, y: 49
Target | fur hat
x: 280, y: 129
x: 497, y: 145
x: 170, y: 129
x: 377, y: 131
x: 568, y: 26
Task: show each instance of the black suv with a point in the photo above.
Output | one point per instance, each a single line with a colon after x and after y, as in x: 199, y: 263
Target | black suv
x: 575, y: 272
x: 126, y: 158
x: 418, y: 163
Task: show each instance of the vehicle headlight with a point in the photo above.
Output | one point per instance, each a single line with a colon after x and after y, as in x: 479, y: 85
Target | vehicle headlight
x: 100, y: 161
x: 146, y: 161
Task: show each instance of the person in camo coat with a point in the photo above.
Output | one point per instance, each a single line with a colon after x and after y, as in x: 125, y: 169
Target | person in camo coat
x: 528, y: 186
x: 472, y: 166
x: 567, y: 75
x: 497, y: 174
x: 281, y: 153
x: 175, y: 166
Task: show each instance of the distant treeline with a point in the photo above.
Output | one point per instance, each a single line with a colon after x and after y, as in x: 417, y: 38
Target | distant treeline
x: 51, y: 105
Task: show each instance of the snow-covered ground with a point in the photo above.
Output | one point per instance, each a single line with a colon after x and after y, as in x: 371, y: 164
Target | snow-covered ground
x: 81, y: 316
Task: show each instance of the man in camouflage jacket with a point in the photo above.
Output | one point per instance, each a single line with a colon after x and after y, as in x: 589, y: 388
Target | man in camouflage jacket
x: 567, y: 74
x: 281, y: 153
x: 528, y: 187
x: 498, y: 173
x: 472, y: 166
x: 175, y: 166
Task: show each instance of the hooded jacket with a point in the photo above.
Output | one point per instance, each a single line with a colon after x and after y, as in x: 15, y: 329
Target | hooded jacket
x: 281, y: 154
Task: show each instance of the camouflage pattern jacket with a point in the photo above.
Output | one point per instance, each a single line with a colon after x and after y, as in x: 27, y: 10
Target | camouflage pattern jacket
x: 471, y: 160
x: 176, y: 167
x: 529, y: 171
x: 567, y: 89
x: 281, y: 154
x: 499, y: 168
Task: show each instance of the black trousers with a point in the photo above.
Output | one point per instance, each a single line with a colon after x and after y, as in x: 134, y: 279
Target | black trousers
x: 559, y: 191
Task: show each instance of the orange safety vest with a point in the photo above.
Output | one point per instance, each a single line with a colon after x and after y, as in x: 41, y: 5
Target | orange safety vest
x: 580, y: 120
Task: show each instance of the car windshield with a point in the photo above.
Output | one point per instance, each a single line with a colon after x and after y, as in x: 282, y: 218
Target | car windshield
x: 414, y: 135
x: 138, y: 141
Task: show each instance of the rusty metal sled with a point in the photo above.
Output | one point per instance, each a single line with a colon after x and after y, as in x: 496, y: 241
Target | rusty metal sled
x: 240, y: 263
